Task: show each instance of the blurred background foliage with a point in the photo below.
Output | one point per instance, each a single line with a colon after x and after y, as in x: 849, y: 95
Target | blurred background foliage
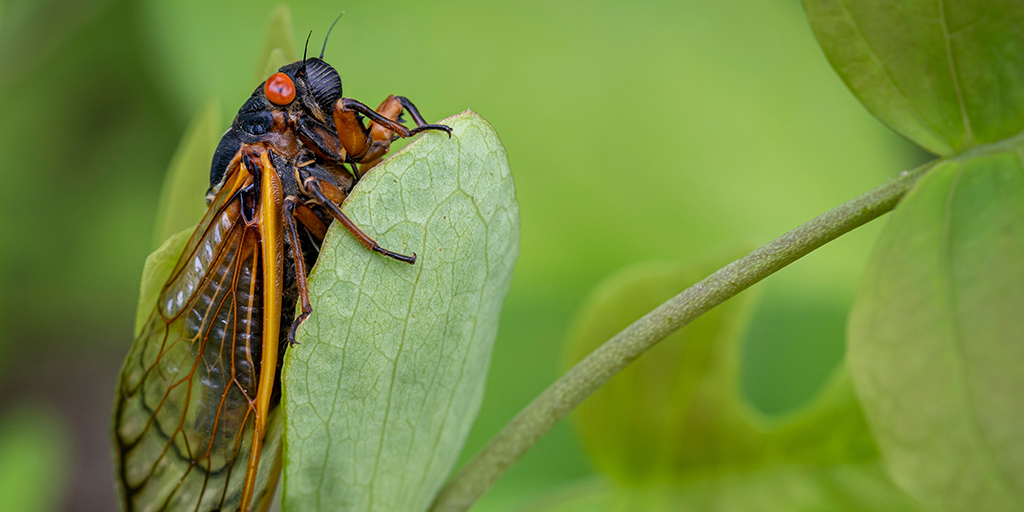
x: 636, y: 131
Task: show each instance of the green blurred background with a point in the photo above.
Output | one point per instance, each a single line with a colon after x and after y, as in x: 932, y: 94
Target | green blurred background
x: 636, y: 131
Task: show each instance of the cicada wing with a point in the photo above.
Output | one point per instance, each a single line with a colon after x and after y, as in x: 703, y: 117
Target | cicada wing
x: 185, y: 412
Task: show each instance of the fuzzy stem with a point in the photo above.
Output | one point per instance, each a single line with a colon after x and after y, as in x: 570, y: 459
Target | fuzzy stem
x: 505, y: 448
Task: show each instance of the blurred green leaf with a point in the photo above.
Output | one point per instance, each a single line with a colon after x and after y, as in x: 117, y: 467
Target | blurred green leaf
x: 390, y: 368
x: 676, y: 413
x: 795, y: 340
x: 275, y: 61
x: 278, y: 45
x: 34, y: 460
x: 156, y: 272
x: 181, y: 205
x: 936, y: 336
x: 32, y: 29
x: 848, y: 487
x: 182, y: 201
x: 947, y: 75
x: 662, y: 403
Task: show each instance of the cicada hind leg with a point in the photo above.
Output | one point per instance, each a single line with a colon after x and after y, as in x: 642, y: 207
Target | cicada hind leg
x: 366, y: 145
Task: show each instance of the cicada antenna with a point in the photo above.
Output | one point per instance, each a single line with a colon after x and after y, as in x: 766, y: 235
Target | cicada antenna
x: 329, y: 34
x: 304, y: 48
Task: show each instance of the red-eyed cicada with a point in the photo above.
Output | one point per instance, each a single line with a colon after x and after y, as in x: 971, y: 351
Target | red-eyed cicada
x: 196, y: 425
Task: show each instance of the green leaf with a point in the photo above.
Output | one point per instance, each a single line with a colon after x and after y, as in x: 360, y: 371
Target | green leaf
x: 182, y: 202
x: 679, y: 406
x: 675, y: 434
x: 853, y: 487
x: 278, y: 44
x: 155, y: 272
x: 795, y: 340
x: 34, y: 460
x: 936, y: 336
x: 948, y: 75
x: 389, y: 372
x: 275, y: 61
x: 659, y: 402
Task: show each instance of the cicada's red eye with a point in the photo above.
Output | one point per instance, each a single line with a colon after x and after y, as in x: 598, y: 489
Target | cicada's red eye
x: 279, y: 89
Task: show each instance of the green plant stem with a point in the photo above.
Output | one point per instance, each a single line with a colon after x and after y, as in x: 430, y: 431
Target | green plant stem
x: 491, y: 462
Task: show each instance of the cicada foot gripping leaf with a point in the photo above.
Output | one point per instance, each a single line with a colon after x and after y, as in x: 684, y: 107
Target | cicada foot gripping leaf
x: 196, y: 422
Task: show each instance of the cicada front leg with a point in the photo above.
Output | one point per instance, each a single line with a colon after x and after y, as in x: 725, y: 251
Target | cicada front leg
x: 330, y: 197
x: 366, y: 145
x: 296, y: 212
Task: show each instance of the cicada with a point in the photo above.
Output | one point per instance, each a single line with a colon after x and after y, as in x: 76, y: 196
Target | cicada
x: 196, y: 423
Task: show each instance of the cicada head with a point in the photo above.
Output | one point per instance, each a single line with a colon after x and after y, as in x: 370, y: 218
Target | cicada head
x: 317, y: 85
x: 308, y: 87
